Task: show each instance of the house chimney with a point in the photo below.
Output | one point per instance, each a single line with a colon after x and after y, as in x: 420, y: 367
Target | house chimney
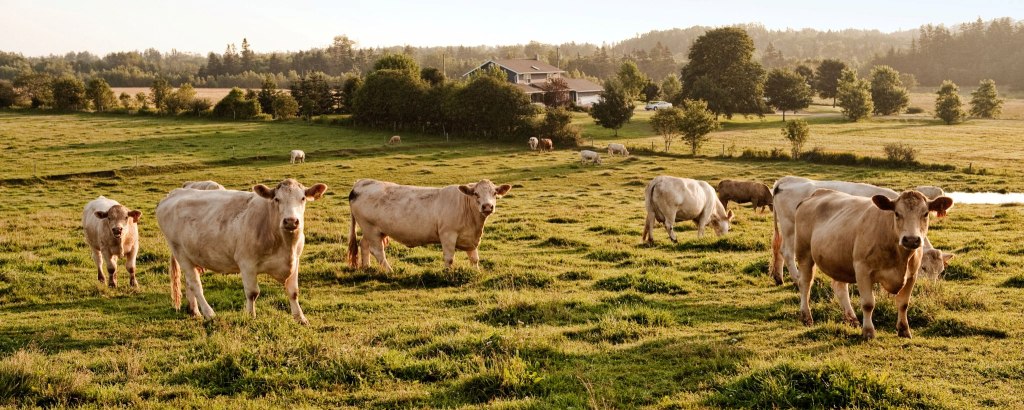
x: 536, y: 57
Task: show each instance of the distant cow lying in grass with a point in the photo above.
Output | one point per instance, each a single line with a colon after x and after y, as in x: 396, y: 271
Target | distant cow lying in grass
x: 741, y: 192
x: 453, y: 216
x: 112, y: 232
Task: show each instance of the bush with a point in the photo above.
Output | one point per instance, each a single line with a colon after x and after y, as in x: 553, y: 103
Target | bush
x: 900, y: 153
x: 797, y: 133
x: 200, y: 106
x: 557, y: 125
x: 284, y: 106
x: 236, y: 106
x: 68, y: 93
x: 915, y: 110
x: 8, y: 96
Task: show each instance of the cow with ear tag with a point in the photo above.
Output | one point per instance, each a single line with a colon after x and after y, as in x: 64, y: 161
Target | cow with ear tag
x: 230, y: 231
x: 865, y: 241
x: 453, y: 216
x: 112, y: 232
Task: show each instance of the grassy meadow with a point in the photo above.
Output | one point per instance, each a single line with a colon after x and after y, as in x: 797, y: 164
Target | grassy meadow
x: 570, y: 310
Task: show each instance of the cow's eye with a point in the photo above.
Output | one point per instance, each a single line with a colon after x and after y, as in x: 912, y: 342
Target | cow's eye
x: 898, y: 215
x: 303, y: 199
x: 277, y: 200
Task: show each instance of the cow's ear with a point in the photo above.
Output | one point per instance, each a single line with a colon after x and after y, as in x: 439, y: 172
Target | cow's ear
x: 884, y: 203
x: 729, y: 215
x: 263, y: 191
x: 503, y: 189
x: 940, y: 205
x: 135, y: 214
x: 946, y: 257
x: 467, y: 189
x: 101, y: 214
x: 316, y: 191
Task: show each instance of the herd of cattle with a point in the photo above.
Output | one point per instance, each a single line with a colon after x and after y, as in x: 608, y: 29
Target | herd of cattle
x: 853, y: 232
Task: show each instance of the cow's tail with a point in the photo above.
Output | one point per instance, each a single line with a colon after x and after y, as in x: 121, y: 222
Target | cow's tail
x: 775, y: 268
x: 353, y: 245
x: 175, y: 275
x: 647, y: 235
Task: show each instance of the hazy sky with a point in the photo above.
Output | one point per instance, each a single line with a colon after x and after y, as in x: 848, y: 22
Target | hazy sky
x: 38, y: 27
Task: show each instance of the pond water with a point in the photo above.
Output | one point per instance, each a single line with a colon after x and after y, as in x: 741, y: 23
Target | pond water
x: 986, y: 197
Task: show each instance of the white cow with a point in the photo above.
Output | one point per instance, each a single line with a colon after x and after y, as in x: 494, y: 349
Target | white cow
x: 617, y: 149
x: 112, y: 232
x: 669, y: 200
x: 235, y: 231
x: 533, y: 141
x: 298, y: 155
x: 789, y: 191
x: 589, y: 156
x: 203, y: 185
x: 395, y: 140
x: 453, y: 216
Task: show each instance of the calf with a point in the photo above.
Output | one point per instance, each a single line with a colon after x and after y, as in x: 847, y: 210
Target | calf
x: 234, y: 231
x: 298, y: 155
x: 740, y: 192
x: 618, y: 149
x: 590, y: 156
x: 546, y: 144
x: 533, y: 141
x: 670, y: 199
x: 864, y: 241
x: 112, y: 232
x: 453, y: 216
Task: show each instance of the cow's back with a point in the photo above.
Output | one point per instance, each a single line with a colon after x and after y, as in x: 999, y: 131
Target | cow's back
x: 411, y: 215
x: 215, y: 228
x: 687, y: 197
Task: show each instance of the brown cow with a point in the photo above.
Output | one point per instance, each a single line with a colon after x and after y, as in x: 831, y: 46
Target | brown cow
x: 864, y: 241
x: 546, y: 144
x: 741, y: 192
x: 453, y: 216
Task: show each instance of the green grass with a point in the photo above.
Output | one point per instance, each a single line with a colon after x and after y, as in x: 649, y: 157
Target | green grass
x: 570, y: 310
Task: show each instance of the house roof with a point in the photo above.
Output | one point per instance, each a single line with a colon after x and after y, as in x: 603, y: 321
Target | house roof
x: 521, y: 66
x: 582, y: 85
x: 528, y: 88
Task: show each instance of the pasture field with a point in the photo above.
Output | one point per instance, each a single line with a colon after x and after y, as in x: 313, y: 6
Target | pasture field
x: 570, y: 310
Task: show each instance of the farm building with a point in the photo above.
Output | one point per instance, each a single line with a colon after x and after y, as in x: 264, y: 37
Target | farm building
x: 530, y: 74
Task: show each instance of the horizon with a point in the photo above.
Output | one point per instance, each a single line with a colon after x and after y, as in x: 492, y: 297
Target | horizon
x: 269, y: 29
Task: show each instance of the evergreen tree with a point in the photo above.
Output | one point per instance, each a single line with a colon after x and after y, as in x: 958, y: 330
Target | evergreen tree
x: 948, y: 106
x: 985, y: 101
x: 826, y: 79
x: 268, y: 90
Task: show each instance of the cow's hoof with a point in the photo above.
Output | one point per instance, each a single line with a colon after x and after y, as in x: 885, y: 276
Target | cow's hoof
x: 808, y: 320
x: 854, y: 322
x: 778, y: 280
x: 868, y: 334
x: 302, y: 320
x: 112, y: 283
x: 135, y: 284
x: 905, y: 332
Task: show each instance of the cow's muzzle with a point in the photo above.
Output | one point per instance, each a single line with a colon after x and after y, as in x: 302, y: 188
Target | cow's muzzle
x: 290, y: 224
x: 911, y: 242
x: 487, y: 209
x: 117, y: 232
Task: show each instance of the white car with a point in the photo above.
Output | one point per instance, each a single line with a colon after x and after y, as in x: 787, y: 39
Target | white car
x: 657, y: 105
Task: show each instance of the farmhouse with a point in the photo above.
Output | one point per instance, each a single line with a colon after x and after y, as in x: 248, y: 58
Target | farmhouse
x: 530, y: 74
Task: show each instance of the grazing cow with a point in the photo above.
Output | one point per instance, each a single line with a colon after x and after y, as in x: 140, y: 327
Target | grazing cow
x: 203, y: 185
x: 236, y: 231
x: 533, y: 141
x: 112, y: 232
x: 670, y: 199
x: 453, y: 216
x: 298, y: 156
x: 395, y: 140
x: 740, y: 192
x: 930, y: 192
x: 617, y: 149
x: 787, y: 194
x: 865, y: 241
x: 589, y: 156
x: 933, y: 263
x: 546, y: 144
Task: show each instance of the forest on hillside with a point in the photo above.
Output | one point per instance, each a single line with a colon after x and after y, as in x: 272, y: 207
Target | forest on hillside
x: 966, y: 54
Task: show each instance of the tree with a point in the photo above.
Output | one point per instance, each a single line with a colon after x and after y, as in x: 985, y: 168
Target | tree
x: 722, y: 72
x: 159, y: 91
x: 948, y: 106
x: 671, y: 88
x: 557, y: 125
x: 268, y: 90
x: 614, y: 108
x: 98, y: 92
x: 236, y: 106
x: 631, y: 79
x: 698, y: 121
x: 432, y: 76
x: 787, y: 91
x: 314, y: 95
x: 180, y: 99
x: 38, y: 87
x: 556, y: 92
x: 284, y: 106
x: 198, y: 106
x: 797, y: 132
x: 142, y: 100
x: 887, y: 91
x: 807, y: 73
x: 826, y: 79
x: 389, y: 99
x: 667, y: 123
x: 68, y: 93
x: 126, y: 101
x: 348, y: 92
x: 491, y: 108
x: 248, y: 59
x: 854, y: 96
x: 651, y: 91
x: 8, y: 96
x: 985, y: 101
x: 399, y: 62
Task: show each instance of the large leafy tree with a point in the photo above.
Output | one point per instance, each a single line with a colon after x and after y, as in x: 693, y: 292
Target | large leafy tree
x: 491, y: 108
x: 698, y: 121
x: 722, y: 72
x: 100, y: 94
x: 159, y: 91
x: 236, y: 106
x: 399, y: 62
x: 948, y: 106
x: 854, y: 96
x: 38, y: 87
x: 826, y: 79
x: 787, y: 91
x: 68, y: 93
x: 180, y: 99
x: 985, y: 101
x: 887, y: 91
x: 671, y: 87
x: 631, y: 79
x: 556, y: 92
x: 389, y: 99
x: 614, y: 108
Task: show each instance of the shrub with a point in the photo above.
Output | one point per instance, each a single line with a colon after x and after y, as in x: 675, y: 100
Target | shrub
x: 236, y: 106
x: 199, y: 106
x: 8, y: 96
x: 900, y: 153
x: 557, y: 125
x: 797, y: 133
x: 284, y: 106
x: 68, y: 93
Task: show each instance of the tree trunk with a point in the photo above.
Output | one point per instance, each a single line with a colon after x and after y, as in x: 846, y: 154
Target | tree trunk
x: 783, y: 115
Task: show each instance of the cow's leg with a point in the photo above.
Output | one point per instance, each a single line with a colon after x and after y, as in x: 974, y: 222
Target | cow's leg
x: 251, y: 287
x: 98, y: 258
x: 804, y: 283
x: 374, y: 242
x: 474, y: 257
x: 129, y: 264
x: 670, y: 219
x: 448, y: 240
x: 902, y: 304
x: 111, y: 261
x: 291, y: 288
x: 196, y: 300
x: 867, y: 300
x: 789, y: 250
x: 364, y: 252
x: 841, y: 290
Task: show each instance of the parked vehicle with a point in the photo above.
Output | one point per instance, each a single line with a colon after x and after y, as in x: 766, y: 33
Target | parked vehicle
x: 657, y: 105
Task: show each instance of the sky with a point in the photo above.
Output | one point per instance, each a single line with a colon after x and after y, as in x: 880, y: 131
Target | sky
x: 42, y: 27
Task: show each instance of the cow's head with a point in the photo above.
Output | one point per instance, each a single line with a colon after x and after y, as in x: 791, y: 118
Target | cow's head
x: 933, y: 263
x: 118, y: 219
x: 486, y: 194
x: 910, y: 211
x: 721, y: 225
x: 290, y: 199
